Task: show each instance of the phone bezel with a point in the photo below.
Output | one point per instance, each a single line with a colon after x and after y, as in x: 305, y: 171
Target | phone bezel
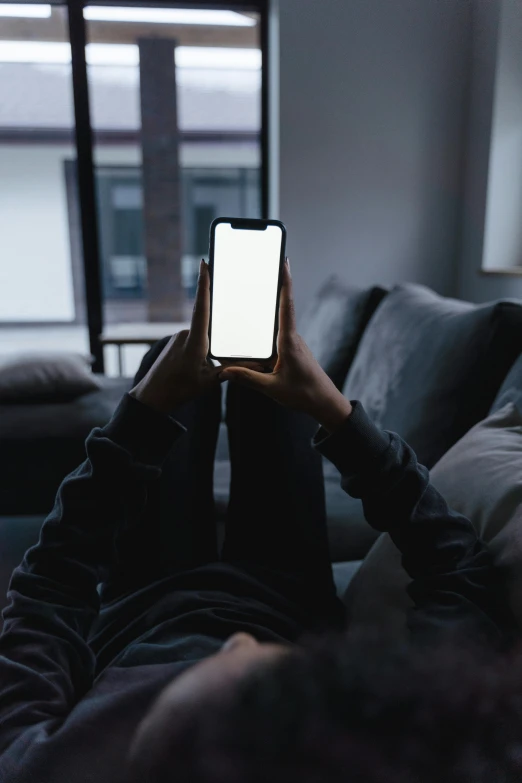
x: 253, y: 225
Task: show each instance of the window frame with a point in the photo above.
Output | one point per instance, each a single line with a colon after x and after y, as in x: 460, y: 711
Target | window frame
x: 84, y: 136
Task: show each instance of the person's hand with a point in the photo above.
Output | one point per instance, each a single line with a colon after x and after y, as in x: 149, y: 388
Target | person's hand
x: 296, y: 380
x: 182, y: 372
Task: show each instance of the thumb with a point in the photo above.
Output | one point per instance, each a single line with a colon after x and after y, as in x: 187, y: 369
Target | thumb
x: 251, y: 378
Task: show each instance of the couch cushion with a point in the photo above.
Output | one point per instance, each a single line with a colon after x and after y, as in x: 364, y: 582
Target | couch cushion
x: 41, y: 444
x: 72, y: 419
x: 350, y: 536
x: 45, y: 377
x: 511, y: 389
x: 481, y: 477
x: 429, y: 367
x: 343, y: 573
x: 334, y: 322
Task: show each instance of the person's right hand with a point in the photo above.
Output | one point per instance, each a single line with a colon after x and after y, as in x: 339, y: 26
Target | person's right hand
x: 297, y: 380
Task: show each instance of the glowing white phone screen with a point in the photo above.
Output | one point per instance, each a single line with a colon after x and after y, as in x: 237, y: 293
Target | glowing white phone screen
x: 244, y: 292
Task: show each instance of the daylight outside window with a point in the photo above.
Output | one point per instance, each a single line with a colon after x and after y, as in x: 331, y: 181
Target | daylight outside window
x: 175, y: 98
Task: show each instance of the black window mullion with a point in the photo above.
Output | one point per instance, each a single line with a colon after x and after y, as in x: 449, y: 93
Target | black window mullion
x: 86, y: 182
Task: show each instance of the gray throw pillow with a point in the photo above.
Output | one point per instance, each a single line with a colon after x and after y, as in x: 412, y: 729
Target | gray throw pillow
x: 481, y: 477
x: 45, y: 377
x: 511, y: 389
x: 429, y: 367
x: 334, y: 322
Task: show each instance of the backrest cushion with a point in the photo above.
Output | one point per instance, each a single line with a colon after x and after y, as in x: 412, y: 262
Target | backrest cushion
x: 45, y: 377
x: 429, y: 367
x: 481, y: 477
x: 511, y: 389
x: 334, y: 322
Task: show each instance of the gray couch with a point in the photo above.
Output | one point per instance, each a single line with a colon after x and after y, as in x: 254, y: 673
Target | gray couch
x: 425, y: 366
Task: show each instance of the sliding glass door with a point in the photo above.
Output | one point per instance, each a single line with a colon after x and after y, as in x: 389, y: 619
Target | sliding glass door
x: 136, y: 124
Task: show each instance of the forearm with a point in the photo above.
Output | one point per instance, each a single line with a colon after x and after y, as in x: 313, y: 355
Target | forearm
x: 331, y: 411
x: 448, y: 564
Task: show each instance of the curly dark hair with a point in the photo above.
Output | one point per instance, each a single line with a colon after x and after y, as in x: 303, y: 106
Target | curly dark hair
x: 329, y: 712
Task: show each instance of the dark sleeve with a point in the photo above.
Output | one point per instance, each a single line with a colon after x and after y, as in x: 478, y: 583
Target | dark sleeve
x: 454, y: 585
x: 46, y: 665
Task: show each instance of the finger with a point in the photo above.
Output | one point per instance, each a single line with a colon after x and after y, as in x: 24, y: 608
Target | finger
x: 213, y: 374
x: 178, y: 339
x: 271, y: 364
x: 200, y: 315
x: 249, y: 365
x: 251, y: 378
x: 287, y: 327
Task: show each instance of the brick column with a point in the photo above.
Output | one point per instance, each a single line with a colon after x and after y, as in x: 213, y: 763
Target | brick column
x: 161, y: 179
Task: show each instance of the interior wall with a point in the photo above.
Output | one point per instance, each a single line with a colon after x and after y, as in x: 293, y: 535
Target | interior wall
x: 491, y: 235
x: 503, y: 239
x: 373, y: 102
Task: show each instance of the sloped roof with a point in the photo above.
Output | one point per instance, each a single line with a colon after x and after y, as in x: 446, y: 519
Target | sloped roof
x: 40, y: 96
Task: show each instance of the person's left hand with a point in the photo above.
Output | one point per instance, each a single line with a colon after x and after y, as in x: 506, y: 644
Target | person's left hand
x: 182, y: 371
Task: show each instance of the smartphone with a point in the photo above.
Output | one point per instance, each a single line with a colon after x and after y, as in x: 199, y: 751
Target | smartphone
x: 246, y: 265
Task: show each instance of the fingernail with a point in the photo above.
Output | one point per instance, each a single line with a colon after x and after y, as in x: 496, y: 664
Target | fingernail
x: 201, y: 265
x: 288, y: 263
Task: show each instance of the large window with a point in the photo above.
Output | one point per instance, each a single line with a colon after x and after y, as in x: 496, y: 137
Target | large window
x: 206, y: 194
x: 176, y: 113
x: 36, y: 135
x: 166, y: 106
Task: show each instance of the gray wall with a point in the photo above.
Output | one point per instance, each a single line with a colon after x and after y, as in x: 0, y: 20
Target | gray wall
x: 491, y: 223
x: 373, y: 106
